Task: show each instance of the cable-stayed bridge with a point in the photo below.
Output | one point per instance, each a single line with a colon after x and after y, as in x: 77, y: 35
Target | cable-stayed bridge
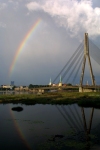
x: 86, y: 50
x: 76, y: 67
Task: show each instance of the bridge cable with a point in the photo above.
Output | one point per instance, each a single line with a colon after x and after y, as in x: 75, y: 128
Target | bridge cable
x: 70, y: 124
x: 95, y: 58
x: 71, y: 64
x: 78, y: 115
x: 68, y: 61
x: 74, y: 67
x: 73, y: 61
x: 65, y: 118
x: 90, y: 41
x: 77, y: 71
x: 95, y: 55
x: 73, y: 114
x: 70, y: 118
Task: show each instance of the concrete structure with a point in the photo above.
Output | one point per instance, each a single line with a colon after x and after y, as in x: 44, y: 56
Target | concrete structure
x: 86, y: 55
x: 81, y: 89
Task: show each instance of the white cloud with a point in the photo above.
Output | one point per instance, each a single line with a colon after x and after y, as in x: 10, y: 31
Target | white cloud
x: 74, y: 15
x: 33, y: 6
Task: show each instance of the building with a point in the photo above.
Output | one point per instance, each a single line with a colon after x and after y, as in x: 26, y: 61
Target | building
x: 21, y: 88
x: 6, y: 86
x: 12, y: 83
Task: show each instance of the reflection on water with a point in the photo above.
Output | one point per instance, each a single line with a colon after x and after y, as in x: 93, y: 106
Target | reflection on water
x: 49, y: 127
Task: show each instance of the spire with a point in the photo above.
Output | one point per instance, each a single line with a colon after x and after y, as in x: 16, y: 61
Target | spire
x: 60, y: 83
x: 60, y: 79
x: 50, y: 83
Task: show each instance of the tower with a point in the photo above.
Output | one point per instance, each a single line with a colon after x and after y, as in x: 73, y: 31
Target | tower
x: 86, y: 55
x: 12, y: 83
x: 50, y: 83
x: 60, y: 83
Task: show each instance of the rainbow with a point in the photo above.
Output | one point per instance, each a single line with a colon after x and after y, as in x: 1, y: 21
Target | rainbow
x: 19, y: 132
x: 23, y: 43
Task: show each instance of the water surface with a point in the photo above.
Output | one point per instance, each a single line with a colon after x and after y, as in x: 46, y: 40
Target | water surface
x: 49, y: 127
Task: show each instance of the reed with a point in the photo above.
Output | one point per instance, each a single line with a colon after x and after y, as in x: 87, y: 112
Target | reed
x: 82, y: 99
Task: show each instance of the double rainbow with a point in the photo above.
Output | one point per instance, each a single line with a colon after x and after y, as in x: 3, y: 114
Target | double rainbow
x: 23, y: 43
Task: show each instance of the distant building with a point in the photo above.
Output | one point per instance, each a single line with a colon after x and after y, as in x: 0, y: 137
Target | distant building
x: 6, y: 86
x: 21, y: 88
x: 12, y: 83
x: 54, y: 84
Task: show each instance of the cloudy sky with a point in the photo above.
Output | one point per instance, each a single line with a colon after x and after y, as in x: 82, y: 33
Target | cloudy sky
x: 58, y: 34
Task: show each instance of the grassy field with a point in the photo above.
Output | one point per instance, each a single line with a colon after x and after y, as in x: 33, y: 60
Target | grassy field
x: 82, y: 99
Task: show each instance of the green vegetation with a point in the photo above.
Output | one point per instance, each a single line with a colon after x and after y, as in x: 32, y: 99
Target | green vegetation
x: 37, y: 86
x: 82, y: 99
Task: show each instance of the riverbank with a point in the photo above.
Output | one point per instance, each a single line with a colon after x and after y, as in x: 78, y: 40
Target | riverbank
x: 82, y: 99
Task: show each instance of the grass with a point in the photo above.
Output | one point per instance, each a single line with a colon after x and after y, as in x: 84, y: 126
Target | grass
x: 82, y: 99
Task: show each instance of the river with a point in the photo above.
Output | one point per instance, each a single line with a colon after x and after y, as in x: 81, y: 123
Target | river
x: 44, y: 127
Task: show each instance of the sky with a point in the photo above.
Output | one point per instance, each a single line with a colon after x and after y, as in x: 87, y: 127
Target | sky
x: 37, y: 37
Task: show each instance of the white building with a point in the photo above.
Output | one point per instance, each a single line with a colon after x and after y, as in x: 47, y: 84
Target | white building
x: 6, y: 86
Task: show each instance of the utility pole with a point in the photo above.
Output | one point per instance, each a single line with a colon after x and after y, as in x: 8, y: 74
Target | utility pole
x: 86, y: 55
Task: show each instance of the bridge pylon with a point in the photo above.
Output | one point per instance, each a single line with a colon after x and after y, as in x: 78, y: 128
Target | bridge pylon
x: 86, y: 56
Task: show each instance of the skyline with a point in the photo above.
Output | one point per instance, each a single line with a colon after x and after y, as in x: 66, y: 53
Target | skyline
x: 61, y: 29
